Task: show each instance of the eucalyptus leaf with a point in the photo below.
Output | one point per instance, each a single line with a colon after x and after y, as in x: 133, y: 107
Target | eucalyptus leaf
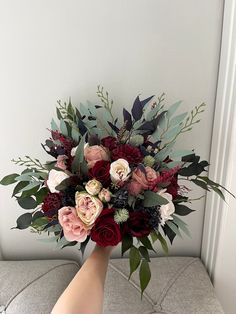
x: 172, y: 133
x: 24, y: 221
x: 63, y: 128
x: 173, y: 227
x: 162, y: 154
x: 20, y: 185
x: 27, y: 202
x: 178, y: 119
x: 153, y: 199
x: 31, y: 185
x: 182, y: 225
x: 9, y: 179
x: 54, y: 126
x: 172, y: 109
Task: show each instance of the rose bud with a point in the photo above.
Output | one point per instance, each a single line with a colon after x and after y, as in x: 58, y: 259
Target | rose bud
x: 104, y: 195
x: 93, y: 187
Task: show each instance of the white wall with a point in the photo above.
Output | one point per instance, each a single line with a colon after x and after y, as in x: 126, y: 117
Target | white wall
x: 55, y: 49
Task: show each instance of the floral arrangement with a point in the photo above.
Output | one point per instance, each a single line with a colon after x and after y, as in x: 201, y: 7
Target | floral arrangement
x: 112, y: 182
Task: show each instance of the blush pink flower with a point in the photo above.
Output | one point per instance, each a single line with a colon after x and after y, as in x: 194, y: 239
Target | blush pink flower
x: 95, y: 153
x: 61, y: 162
x: 88, y: 208
x: 73, y: 227
x: 140, y: 177
x: 134, y: 188
x: 141, y: 181
x: 151, y: 176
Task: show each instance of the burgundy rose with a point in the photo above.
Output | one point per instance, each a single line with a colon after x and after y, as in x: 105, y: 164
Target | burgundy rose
x: 109, y: 142
x: 100, y: 171
x: 173, y: 187
x: 130, y: 153
x: 138, y: 224
x: 106, y: 231
x: 51, y: 204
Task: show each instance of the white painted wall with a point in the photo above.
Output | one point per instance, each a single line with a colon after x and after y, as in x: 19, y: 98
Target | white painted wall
x: 55, y: 49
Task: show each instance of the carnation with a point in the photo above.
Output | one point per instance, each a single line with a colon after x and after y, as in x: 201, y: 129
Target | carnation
x: 125, y: 151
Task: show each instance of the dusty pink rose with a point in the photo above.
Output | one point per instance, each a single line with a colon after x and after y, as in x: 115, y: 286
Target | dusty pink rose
x: 151, y: 176
x: 88, y: 208
x: 61, y: 162
x: 140, y: 177
x: 104, y: 195
x: 95, y: 153
x: 73, y: 227
x: 134, y: 187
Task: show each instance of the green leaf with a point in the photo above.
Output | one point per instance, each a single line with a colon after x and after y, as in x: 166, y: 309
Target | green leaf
x: 75, y: 134
x: 173, y: 227
x: 54, y: 126
x: 59, y: 116
x: 182, y: 225
x: 151, y: 114
x: 63, y: 127
x: 173, y: 108
x: 144, y: 253
x: 147, y: 243
x: 162, y: 154
x: 178, y: 119
x: 24, y: 177
x: 29, y: 192
x: 172, y: 133
x: 153, y: 199
x: 20, y: 185
x: 9, y: 179
x: 27, y: 202
x: 127, y: 242
x: 144, y: 275
x: 24, y: 221
x: 163, y: 243
x: 79, y: 155
x: 31, y: 185
x: 40, y: 195
x: 154, y: 236
x: 218, y: 191
x: 134, y: 259
x: 182, y: 210
x: 73, y: 243
x: 202, y: 184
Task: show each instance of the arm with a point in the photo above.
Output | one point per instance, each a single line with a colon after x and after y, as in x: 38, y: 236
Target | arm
x: 85, y: 292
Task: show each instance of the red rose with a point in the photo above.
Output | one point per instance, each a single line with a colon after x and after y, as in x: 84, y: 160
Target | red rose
x: 128, y: 152
x: 109, y: 142
x: 138, y: 224
x: 51, y: 204
x: 173, y: 187
x: 106, y: 231
x: 100, y: 171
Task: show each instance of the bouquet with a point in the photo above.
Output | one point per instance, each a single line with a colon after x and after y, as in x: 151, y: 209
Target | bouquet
x: 113, y: 182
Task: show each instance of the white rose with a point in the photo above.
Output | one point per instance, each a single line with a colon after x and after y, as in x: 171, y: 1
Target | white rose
x: 119, y: 170
x: 55, y: 177
x: 166, y: 210
x: 93, y: 187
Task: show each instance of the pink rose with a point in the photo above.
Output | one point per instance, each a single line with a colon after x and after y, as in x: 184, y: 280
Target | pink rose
x: 151, y: 176
x: 134, y: 187
x: 140, y: 177
x: 61, y: 162
x: 95, y: 153
x: 73, y: 227
x: 88, y: 208
x: 104, y: 195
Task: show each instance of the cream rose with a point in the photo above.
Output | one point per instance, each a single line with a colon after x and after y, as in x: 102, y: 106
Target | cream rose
x: 104, y: 195
x: 119, y: 170
x: 168, y: 209
x: 88, y: 208
x: 55, y: 177
x: 93, y: 187
x: 73, y: 227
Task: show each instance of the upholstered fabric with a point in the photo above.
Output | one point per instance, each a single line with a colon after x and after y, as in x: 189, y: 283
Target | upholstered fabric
x: 179, y: 285
x: 33, y: 287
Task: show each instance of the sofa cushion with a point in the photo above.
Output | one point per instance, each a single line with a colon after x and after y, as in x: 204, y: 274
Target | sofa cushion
x: 33, y: 287
x: 178, y: 285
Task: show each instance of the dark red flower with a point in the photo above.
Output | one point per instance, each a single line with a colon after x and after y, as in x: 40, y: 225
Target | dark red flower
x: 173, y: 188
x: 66, y: 142
x: 52, y: 203
x: 109, y: 142
x: 130, y: 153
x: 100, y: 171
x: 138, y: 224
x: 106, y: 231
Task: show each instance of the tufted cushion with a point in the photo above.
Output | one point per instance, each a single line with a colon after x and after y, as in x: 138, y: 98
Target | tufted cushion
x: 179, y: 285
x: 33, y: 287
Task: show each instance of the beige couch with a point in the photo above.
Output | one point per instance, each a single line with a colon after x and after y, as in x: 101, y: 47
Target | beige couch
x: 178, y: 285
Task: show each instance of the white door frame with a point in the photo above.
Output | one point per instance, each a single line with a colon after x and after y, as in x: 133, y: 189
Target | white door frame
x: 224, y: 127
